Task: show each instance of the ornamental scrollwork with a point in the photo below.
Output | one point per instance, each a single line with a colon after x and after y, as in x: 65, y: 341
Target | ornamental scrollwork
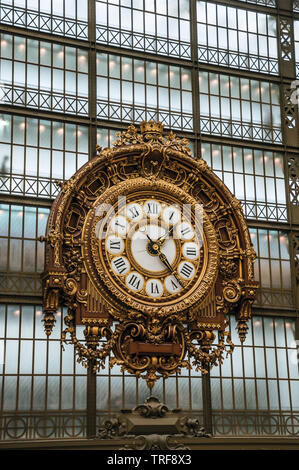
x: 232, y: 291
x: 191, y: 427
x: 152, y: 408
x: 155, y: 442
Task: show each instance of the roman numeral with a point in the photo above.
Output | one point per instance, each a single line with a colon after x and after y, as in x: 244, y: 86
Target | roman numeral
x: 186, y: 270
x: 152, y: 208
x: 134, y: 212
x: 119, y: 225
x: 172, y: 214
x: 154, y: 288
x: 191, y: 251
x: 185, y: 230
x: 134, y: 281
x: 174, y: 285
x: 120, y: 265
x: 114, y: 245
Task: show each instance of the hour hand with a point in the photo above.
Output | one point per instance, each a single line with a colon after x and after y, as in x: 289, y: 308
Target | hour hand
x: 153, y: 245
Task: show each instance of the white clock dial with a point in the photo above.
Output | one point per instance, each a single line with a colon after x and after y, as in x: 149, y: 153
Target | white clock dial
x: 119, y: 225
x: 152, y: 208
x: 154, y: 288
x: 135, y: 281
x: 186, y: 270
x: 154, y: 250
x: 185, y: 231
x: 134, y: 212
x: 191, y: 250
x: 139, y: 248
x: 115, y: 245
x: 171, y: 215
x: 120, y: 265
x: 172, y: 285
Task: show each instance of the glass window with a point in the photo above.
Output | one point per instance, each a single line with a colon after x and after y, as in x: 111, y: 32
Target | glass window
x: 61, y: 17
x: 253, y: 176
x: 250, y: 112
x: 21, y: 254
x: 236, y: 38
x: 134, y: 25
x: 35, y: 152
x: 263, y: 377
x: 272, y: 267
x: 30, y: 377
x: 135, y: 90
x: 57, y: 81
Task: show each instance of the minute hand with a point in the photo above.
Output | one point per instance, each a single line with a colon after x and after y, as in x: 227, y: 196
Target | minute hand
x: 168, y: 265
x: 162, y: 239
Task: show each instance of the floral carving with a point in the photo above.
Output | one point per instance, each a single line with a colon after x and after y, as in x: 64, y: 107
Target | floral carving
x: 228, y: 268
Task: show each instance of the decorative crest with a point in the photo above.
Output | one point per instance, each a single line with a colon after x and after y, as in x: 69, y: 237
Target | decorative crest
x: 151, y: 129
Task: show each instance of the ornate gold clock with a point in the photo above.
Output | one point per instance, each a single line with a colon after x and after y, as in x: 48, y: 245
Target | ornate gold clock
x: 149, y: 250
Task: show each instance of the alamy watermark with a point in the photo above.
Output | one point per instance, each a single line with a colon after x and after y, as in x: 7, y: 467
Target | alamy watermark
x: 129, y: 218
x: 295, y: 93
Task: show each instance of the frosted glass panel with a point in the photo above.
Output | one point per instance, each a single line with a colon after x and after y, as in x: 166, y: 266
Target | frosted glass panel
x: 46, y: 15
x: 246, y: 33
x: 140, y: 21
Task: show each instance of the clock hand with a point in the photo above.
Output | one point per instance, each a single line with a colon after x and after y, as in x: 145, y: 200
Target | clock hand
x: 168, y: 265
x: 153, y: 246
x: 151, y: 241
x: 156, y: 249
x: 162, y: 239
x: 164, y: 260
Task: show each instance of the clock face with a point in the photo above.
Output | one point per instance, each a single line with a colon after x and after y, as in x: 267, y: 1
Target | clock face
x: 152, y: 249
